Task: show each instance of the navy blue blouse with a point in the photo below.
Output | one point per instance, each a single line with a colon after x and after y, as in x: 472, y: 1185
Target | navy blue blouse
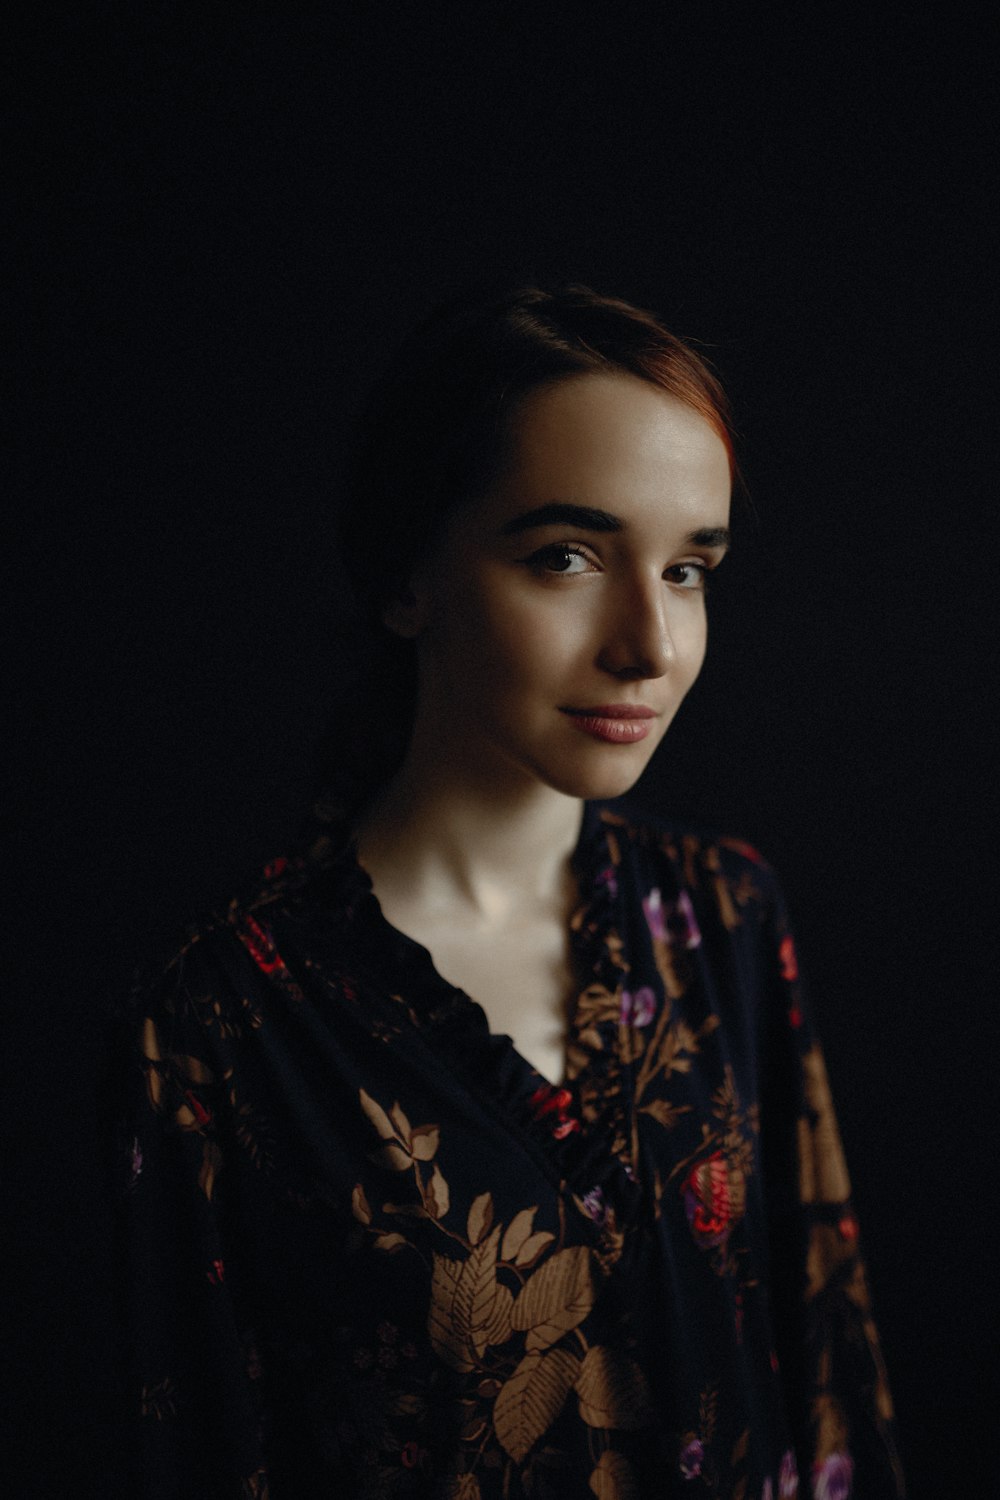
x: 373, y: 1253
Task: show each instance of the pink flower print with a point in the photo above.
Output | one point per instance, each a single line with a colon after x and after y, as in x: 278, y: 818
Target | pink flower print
x: 692, y: 1457
x: 595, y: 1205
x: 673, y: 923
x: 609, y: 880
x: 788, y: 1479
x: 638, y: 1009
x: 652, y: 905
x: 767, y: 1493
x: 681, y: 921
x: 831, y: 1480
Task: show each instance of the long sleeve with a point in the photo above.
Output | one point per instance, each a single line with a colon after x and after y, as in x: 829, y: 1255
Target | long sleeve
x: 834, y: 1375
x: 190, y: 1366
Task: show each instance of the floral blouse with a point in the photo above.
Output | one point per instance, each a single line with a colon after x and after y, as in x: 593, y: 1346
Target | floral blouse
x: 373, y: 1253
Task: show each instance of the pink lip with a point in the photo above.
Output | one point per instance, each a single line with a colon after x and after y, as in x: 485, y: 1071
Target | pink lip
x: 617, y: 723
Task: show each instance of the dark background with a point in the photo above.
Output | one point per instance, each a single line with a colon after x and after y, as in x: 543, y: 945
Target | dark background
x: 223, y: 223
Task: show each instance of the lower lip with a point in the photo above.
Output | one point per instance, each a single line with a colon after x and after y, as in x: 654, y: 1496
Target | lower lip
x: 614, y: 731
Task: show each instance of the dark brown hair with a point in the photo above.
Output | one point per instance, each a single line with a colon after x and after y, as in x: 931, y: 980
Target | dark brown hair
x: 434, y: 435
x: 435, y: 429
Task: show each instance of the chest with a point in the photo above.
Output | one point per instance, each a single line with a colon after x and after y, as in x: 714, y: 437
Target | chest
x: 521, y: 976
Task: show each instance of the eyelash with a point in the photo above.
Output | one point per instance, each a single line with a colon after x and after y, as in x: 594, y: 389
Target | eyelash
x: 538, y: 562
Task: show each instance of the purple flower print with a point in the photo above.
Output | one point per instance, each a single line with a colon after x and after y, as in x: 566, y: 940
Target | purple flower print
x: 683, y: 926
x: 788, y: 1479
x: 652, y: 905
x: 608, y: 879
x: 831, y: 1480
x: 595, y: 1205
x: 638, y: 1009
x: 767, y: 1493
x: 691, y: 1459
x: 674, y: 923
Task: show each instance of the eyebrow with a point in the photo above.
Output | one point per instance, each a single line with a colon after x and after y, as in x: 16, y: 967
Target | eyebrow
x: 587, y: 519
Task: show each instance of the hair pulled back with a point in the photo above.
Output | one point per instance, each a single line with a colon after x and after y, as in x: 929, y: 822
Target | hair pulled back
x: 433, y: 436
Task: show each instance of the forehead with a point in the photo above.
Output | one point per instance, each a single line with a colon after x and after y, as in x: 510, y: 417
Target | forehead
x: 615, y: 441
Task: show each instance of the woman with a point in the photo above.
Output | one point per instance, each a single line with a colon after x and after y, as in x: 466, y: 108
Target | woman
x: 486, y: 1150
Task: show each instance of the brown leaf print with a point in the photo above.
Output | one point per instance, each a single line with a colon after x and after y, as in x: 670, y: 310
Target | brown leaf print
x: 557, y: 1298
x: 532, y: 1248
x: 612, y: 1390
x: 486, y: 1310
x: 613, y: 1479
x: 159, y: 1400
x: 400, y: 1123
x: 822, y: 1170
x: 377, y: 1115
x: 496, y: 1329
x: 168, y: 1073
x: 480, y: 1217
x: 463, y: 1487
x: 425, y: 1141
x: 255, y: 1486
x: 448, y: 1317
x: 359, y: 1205
x: 664, y: 1112
x: 532, y: 1399
x: 517, y: 1232
x: 391, y: 1243
x: 437, y: 1199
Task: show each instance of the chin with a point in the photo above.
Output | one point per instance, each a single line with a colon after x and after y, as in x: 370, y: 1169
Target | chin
x: 595, y: 783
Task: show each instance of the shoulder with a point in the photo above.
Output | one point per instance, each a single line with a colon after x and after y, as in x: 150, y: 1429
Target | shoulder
x: 695, y: 854
x: 215, y: 969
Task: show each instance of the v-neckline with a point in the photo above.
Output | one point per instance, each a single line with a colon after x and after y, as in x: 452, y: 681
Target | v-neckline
x: 576, y: 1132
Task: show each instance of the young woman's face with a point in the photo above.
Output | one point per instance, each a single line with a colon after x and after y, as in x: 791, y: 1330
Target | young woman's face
x: 560, y: 620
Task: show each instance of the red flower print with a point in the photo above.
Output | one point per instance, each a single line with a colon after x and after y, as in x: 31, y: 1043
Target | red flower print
x: 712, y: 1200
x: 552, y: 1104
x: 788, y: 960
x: 202, y: 1115
x: 260, y: 944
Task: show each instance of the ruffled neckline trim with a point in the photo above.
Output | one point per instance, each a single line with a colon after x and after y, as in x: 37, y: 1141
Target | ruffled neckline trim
x: 576, y: 1150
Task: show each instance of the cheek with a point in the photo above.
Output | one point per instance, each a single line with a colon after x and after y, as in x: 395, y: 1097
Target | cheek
x: 511, y: 635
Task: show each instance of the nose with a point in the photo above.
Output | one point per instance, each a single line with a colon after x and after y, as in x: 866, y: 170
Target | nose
x: 637, y: 641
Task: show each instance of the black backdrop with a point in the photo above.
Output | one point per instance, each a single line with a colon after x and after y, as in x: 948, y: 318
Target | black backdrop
x: 223, y: 224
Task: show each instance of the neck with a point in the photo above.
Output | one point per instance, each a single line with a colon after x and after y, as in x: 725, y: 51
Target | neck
x: 453, y: 837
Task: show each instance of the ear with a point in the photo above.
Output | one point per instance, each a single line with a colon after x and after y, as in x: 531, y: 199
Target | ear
x: 406, y: 615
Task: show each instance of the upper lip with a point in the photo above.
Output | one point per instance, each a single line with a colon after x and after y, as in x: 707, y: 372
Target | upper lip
x: 615, y: 711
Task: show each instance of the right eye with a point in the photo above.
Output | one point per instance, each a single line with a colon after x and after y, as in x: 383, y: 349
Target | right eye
x: 559, y: 558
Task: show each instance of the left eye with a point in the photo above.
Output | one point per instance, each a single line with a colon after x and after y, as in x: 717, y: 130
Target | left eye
x: 687, y: 575
x: 559, y: 559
